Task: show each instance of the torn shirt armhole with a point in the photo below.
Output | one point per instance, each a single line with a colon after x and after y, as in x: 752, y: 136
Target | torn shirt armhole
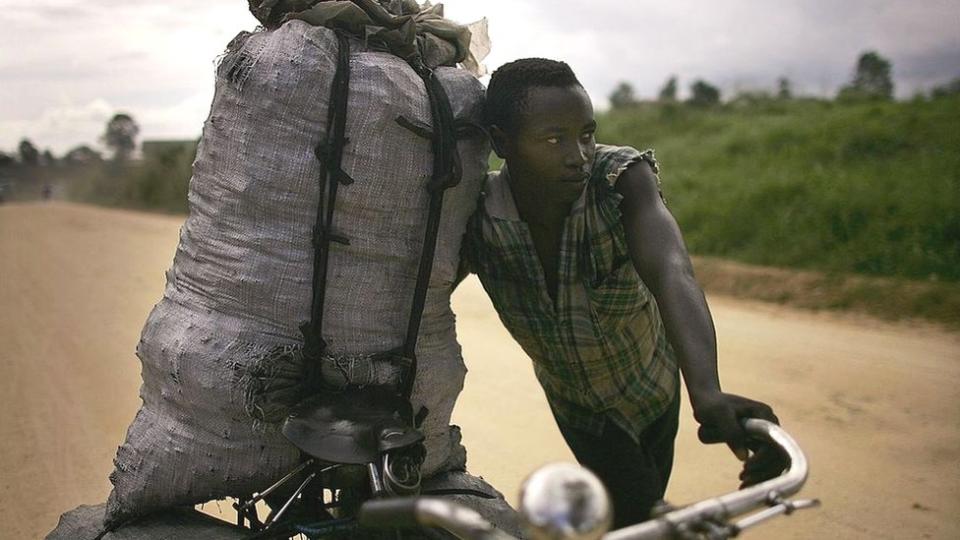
x: 651, y: 160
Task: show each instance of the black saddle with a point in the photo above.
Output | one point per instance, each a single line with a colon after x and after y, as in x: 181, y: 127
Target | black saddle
x: 353, y: 426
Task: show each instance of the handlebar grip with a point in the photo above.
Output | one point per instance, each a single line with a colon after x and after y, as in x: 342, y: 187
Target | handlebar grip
x: 389, y: 513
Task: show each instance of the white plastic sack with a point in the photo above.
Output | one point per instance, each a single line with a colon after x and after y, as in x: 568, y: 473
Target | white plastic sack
x: 241, y: 280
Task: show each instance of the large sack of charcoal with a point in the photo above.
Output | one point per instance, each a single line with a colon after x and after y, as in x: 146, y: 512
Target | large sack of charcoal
x: 240, y: 283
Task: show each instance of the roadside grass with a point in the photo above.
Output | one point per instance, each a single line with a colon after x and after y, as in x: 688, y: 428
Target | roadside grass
x: 860, y: 200
x: 159, y: 183
x: 866, y: 188
x: 891, y: 299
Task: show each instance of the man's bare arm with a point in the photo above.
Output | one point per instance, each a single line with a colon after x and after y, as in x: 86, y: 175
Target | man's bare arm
x: 660, y: 257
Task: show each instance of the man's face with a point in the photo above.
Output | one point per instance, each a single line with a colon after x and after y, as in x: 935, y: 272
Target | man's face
x: 551, y: 144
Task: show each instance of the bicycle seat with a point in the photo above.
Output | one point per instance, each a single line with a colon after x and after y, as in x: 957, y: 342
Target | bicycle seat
x: 352, y: 426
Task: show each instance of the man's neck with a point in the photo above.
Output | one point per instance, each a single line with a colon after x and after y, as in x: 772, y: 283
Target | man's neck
x: 545, y: 217
x: 535, y: 206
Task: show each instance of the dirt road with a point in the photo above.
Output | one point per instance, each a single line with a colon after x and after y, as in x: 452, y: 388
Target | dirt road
x: 875, y: 405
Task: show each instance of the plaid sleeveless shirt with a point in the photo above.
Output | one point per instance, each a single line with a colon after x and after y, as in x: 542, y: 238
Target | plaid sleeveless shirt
x: 600, y: 351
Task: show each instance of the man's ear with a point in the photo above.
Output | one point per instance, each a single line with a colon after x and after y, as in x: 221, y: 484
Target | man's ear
x: 498, y: 139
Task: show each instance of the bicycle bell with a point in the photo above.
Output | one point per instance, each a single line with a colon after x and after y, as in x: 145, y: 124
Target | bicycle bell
x: 563, y: 501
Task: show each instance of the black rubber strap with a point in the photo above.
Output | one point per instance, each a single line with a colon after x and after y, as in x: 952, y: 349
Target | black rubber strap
x: 446, y: 173
x: 330, y: 153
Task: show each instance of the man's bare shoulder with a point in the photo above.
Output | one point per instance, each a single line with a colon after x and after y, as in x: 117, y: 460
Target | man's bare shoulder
x: 639, y: 184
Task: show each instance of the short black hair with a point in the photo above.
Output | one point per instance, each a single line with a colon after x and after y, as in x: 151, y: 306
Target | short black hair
x: 508, y: 87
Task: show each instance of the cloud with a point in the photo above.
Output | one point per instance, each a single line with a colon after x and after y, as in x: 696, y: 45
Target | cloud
x: 181, y: 120
x: 736, y: 43
x: 42, y: 10
x: 156, y: 59
x: 60, y: 127
x: 63, y: 127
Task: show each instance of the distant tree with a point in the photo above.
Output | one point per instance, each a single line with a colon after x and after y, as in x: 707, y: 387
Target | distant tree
x: 703, y: 93
x: 951, y: 88
x: 623, y: 96
x: 29, y: 155
x: 82, y: 155
x: 750, y: 98
x: 48, y: 158
x: 6, y: 160
x: 121, y: 136
x: 784, y: 88
x: 668, y: 92
x: 872, y: 79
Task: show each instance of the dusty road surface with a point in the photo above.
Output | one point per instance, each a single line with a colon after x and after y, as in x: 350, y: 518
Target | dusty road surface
x: 876, y: 406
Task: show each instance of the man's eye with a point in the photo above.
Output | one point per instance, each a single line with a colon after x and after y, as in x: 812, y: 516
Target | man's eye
x: 587, y: 137
x: 553, y: 140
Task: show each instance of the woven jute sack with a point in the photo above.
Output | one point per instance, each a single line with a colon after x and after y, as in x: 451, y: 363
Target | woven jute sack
x: 240, y: 283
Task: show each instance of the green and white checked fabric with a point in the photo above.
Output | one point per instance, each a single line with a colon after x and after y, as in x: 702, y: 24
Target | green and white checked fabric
x: 601, y: 351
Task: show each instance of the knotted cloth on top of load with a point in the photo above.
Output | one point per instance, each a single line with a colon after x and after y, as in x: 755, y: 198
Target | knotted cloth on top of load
x: 240, y: 283
x: 408, y: 29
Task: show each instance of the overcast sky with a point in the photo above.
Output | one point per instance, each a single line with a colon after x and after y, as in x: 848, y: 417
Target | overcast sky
x: 67, y: 65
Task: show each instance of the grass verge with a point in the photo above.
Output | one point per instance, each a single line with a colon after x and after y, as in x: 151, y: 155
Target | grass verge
x: 891, y: 299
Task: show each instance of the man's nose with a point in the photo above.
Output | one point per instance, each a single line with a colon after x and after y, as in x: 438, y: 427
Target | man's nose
x: 576, y: 156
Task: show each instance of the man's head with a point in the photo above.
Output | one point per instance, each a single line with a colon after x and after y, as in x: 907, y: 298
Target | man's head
x: 541, y: 122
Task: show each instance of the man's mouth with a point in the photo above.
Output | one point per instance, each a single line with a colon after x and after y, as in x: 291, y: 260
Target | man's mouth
x: 576, y: 179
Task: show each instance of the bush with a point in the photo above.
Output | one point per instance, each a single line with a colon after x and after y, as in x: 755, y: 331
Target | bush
x: 869, y: 187
x: 871, y: 80
x: 159, y: 182
x: 703, y: 94
x: 623, y: 96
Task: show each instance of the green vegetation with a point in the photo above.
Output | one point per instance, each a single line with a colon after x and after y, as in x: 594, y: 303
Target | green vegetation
x: 862, y: 194
x: 158, y: 182
x: 870, y: 187
x: 121, y: 136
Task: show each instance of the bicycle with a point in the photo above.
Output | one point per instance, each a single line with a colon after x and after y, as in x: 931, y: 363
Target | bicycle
x: 557, y: 501
x: 566, y: 501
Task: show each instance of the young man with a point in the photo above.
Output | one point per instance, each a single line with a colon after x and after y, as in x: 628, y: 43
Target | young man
x: 588, y: 271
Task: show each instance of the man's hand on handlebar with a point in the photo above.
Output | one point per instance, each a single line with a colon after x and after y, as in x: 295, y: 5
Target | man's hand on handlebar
x: 720, y: 417
x: 765, y: 462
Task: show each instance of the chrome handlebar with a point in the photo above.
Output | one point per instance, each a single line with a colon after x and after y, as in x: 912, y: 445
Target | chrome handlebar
x: 711, y: 515
x: 708, y: 519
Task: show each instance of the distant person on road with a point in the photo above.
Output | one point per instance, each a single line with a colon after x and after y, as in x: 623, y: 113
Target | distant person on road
x: 589, y: 273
